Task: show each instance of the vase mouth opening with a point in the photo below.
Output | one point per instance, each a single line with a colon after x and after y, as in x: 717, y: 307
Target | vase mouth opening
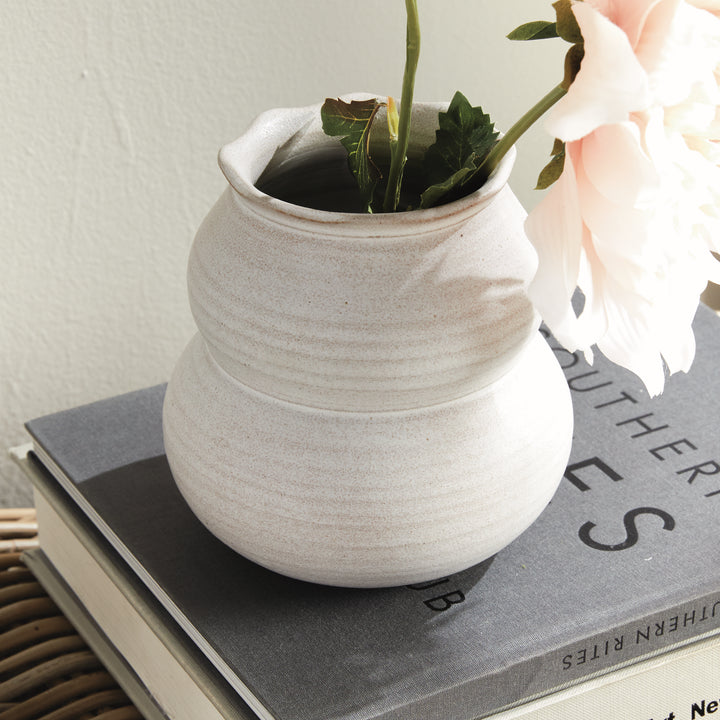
x: 284, y: 163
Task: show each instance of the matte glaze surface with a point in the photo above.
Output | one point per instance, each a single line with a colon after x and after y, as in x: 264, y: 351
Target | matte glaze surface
x: 368, y: 401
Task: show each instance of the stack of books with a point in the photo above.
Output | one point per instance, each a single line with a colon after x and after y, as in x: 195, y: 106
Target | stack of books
x: 607, y: 607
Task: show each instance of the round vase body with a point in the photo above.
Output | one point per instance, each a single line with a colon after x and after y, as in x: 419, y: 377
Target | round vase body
x: 367, y: 401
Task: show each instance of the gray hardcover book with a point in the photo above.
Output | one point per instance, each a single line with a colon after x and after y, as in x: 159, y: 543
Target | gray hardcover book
x: 623, y: 564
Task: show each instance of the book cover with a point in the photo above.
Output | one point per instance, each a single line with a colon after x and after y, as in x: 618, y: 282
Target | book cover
x: 680, y: 684
x: 623, y: 564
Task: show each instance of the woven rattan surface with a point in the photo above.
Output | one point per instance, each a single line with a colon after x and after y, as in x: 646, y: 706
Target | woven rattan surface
x: 47, y: 672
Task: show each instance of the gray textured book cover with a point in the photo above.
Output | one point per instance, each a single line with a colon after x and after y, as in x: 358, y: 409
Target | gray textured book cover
x: 623, y: 563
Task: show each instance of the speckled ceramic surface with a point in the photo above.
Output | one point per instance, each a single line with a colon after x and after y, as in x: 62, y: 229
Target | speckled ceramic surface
x: 367, y: 401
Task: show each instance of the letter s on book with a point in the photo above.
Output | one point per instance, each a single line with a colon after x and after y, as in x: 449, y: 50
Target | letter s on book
x: 631, y: 532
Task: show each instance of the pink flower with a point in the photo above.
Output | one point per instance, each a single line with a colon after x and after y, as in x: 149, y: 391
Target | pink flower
x: 711, y: 5
x: 635, y: 214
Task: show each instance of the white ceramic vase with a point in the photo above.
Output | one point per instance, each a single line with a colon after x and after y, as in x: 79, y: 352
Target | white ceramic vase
x: 368, y: 401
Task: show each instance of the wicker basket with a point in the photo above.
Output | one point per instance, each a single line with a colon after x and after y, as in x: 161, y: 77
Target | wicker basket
x: 47, y: 672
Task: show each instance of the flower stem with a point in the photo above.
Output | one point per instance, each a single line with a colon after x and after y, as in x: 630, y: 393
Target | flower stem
x: 516, y: 131
x: 399, y: 149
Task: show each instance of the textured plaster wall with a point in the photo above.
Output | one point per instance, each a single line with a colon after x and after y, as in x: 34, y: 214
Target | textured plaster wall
x: 113, y: 113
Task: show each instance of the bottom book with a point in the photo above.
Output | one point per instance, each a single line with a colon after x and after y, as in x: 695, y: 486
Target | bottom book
x: 160, y: 670
x: 150, y: 656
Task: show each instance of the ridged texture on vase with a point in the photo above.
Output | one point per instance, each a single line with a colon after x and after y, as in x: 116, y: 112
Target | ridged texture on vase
x: 368, y: 401
x: 367, y: 499
x: 405, y: 317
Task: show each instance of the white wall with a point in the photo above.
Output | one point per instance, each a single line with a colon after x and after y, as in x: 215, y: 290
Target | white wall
x: 113, y: 113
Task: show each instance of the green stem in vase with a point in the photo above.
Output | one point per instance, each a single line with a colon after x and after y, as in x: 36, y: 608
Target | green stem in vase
x: 518, y: 129
x: 398, y: 149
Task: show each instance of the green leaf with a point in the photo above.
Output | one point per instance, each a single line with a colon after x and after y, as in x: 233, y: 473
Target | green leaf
x: 435, y: 193
x: 573, y: 60
x: 552, y: 171
x: 537, y: 30
x: 352, y: 122
x: 465, y: 136
x: 567, y: 26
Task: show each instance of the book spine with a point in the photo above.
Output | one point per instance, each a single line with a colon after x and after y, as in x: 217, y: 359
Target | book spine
x: 675, y: 626
x: 658, y: 635
x: 681, y: 685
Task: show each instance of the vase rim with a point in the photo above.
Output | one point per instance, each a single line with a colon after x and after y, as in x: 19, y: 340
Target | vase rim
x: 282, y: 131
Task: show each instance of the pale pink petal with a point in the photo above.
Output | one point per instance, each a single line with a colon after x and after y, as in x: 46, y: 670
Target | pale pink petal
x: 685, y: 55
x: 628, y: 344
x: 617, y: 166
x: 627, y: 339
x: 690, y: 201
x: 592, y: 322
x: 619, y: 228
x: 678, y: 348
x: 695, y: 118
x: 609, y: 86
x: 629, y: 15
x: 618, y: 320
x: 675, y: 315
x: 713, y: 269
x: 650, y: 45
x: 636, y: 213
x: 711, y: 5
x: 553, y: 227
